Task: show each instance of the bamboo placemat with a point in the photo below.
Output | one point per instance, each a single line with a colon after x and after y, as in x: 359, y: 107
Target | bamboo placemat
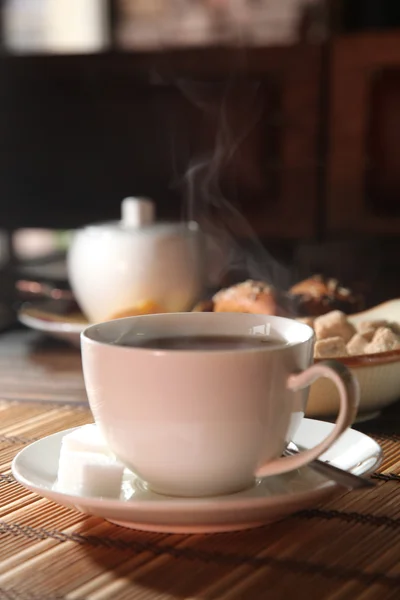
x: 34, y: 367
x: 347, y: 548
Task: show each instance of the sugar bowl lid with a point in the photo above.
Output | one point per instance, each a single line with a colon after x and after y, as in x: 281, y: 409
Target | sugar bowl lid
x: 138, y: 216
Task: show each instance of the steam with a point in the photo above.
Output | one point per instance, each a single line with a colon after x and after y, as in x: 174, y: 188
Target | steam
x: 234, y: 250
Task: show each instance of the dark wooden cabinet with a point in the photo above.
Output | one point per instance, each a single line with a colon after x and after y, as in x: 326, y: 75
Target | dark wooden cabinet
x: 216, y: 126
x: 363, y: 167
x: 295, y: 142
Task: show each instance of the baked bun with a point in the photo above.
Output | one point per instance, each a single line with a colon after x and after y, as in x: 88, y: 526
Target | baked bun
x: 250, y: 296
x: 318, y: 295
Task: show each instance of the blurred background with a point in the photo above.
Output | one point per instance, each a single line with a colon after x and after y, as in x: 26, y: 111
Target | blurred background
x: 289, y: 110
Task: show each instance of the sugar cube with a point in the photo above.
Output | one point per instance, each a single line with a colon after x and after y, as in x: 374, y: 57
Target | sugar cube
x: 357, y: 345
x: 87, y: 438
x: 89, y: 474
x: 384, y: 340
x: 334, y: 324
x: 86, y: 466
x: 330, y: 347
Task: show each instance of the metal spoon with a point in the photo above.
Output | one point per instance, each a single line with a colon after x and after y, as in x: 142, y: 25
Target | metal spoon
x: 342, y: 477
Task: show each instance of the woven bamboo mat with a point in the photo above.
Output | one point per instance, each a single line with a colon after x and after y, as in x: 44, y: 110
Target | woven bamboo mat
x: 37, y: 368
x: 347, y: 548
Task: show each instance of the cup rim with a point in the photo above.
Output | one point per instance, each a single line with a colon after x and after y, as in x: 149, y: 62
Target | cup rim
x: 87, y: 339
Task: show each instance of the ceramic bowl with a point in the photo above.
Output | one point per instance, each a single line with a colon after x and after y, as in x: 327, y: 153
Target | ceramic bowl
x: 378, y: 374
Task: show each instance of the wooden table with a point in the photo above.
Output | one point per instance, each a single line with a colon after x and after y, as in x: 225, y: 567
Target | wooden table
x: 347, y: 548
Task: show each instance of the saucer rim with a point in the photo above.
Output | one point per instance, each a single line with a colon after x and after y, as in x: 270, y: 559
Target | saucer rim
x: 173, y: 505
x: 35, y: 322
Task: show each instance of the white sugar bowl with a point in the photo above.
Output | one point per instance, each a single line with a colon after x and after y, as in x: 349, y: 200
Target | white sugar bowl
x: 136, y: 266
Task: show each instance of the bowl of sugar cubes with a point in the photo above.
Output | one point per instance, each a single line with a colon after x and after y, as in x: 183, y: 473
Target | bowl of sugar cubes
x: 368, y: 343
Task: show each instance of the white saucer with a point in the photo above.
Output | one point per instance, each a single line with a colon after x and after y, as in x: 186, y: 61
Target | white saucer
x: 269, y: 499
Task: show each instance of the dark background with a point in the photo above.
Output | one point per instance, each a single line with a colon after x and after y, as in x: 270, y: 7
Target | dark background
x: 315, y: 172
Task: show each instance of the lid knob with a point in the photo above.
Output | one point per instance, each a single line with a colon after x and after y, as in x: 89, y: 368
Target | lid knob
x: 137, y: 212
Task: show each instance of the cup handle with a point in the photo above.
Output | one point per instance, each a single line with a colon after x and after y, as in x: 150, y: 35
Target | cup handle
x: 349, y: 398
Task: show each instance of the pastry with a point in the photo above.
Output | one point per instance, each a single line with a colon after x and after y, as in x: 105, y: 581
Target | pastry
x: 318, y: 295
x: 250, y: 297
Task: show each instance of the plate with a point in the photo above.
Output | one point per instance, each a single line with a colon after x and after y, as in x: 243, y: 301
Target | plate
x: 57, y: 318
x: 271, y: 498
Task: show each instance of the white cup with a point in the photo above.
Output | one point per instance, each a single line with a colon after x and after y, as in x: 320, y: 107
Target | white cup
x: 203, y: 423
x: 133, y: 266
